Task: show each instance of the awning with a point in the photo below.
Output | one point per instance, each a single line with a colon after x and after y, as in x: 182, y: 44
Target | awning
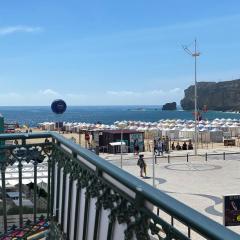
x: 117, y: 143
x: 25, y: 202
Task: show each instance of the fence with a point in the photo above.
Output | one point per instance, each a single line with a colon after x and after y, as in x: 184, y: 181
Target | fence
x: 90, y: 198
x: 206, y: 156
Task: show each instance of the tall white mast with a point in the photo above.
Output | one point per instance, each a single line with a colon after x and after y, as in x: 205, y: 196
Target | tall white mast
x: 194, y: 54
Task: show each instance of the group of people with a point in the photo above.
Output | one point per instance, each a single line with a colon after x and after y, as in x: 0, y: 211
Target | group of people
x: 184, y: 146
x: 161, y: 145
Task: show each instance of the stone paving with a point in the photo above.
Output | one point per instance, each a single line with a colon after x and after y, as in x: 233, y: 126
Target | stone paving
x: 197, y: 183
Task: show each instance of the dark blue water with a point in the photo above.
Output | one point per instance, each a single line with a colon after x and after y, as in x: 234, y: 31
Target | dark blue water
x: 105, y: 114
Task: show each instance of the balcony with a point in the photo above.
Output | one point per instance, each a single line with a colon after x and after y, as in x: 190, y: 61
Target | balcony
x: 88, y: 197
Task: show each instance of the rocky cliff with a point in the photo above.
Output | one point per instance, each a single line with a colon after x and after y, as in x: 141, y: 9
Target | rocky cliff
x: 219, y: 96
x: 170, y: 106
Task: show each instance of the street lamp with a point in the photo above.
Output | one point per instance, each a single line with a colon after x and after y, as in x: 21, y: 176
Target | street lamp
x: 194, y: 54
x: 121, y: 125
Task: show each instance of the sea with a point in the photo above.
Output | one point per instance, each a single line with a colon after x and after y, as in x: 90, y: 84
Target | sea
x: 32, y: 115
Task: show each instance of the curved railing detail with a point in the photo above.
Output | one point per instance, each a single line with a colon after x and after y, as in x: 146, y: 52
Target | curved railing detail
x: 89, y: 198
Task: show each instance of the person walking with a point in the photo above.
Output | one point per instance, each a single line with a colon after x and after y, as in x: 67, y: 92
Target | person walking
x: 155, y: 146
x: 166, y: 144
x: 160, y: 147
x: 136, y: 147
x: 141, y: 163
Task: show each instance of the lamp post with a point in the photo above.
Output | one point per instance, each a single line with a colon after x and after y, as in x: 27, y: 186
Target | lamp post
x: 121, y: 126
x: 194, y: 54
x: 153, y: 159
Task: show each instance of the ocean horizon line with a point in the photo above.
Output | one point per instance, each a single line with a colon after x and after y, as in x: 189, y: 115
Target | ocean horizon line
x: 120, y: 105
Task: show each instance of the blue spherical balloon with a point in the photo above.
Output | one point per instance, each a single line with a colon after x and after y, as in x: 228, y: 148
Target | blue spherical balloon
x: 58, y: 106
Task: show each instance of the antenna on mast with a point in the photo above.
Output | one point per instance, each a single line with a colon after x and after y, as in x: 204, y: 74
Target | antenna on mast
x: 185, y: 48
x: 188, y: 51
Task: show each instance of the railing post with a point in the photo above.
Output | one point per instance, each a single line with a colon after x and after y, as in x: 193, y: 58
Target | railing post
x: 49, y: 188
x: 77, y: 207
x: 35, y: 192
x: 98, y: 212
x: 63, y: 199
x: 189, y: 232
x: 139, y: 198
x: 20, y: 193
x: 86, y: 217
x: 69, y: 208
x: 51, y: 179
x: 3, y: 168
x: 51, y: 195
x: 58, y: 191
x: 20, y: 187
x: 58, y: 186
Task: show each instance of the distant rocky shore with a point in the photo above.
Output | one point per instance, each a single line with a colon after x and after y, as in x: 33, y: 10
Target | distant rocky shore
x: 217, y: 96
x: 170, y: 106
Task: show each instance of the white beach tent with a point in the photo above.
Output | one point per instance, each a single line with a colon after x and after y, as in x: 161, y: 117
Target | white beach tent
x: 187, y: 133
x: 204, y: 135
x: 153, y: 132
x: 50, y: 126
x: 209, y: 126
x: 216, y: 135
x: 224, y: 128
x: 234, y: 130
x: 68, y: 126
x: 172, y: 133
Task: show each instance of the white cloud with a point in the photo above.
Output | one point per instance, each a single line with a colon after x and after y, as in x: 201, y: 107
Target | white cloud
x: 10, y: 95
x: 49, y: 92
x: 18, y: 29
x: 122, y: 93
x: 176, y: 90
x: 13, y: 94
x: 41, y: 98
x: 73, y: 95
x: 124, y: 97
x: 155, y: 96
x: 7, y: 99
x: 77, y: 98
x: 155, y: 92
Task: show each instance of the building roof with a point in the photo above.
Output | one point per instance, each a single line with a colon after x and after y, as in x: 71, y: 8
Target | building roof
x: 14, y: 194
x: 123, y: 131
x: 25, y: 202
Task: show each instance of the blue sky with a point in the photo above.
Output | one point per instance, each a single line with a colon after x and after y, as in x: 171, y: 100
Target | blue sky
x: 109, y: 52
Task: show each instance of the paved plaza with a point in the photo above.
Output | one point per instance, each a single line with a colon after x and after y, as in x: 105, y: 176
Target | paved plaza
x: 197, y: 183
